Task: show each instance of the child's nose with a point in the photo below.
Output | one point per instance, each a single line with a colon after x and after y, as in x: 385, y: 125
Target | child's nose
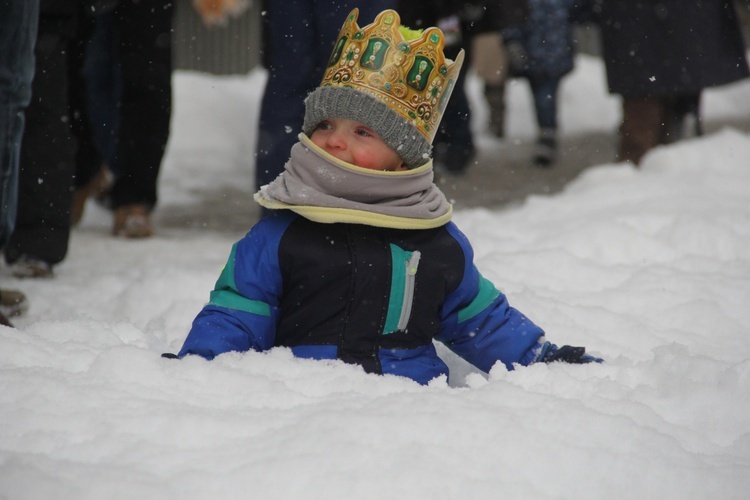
x: 336, y: 140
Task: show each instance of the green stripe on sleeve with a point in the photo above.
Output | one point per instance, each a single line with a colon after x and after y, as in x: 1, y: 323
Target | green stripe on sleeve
x: 225, y: 293
x: 487, y: 293
x: 232, y: 300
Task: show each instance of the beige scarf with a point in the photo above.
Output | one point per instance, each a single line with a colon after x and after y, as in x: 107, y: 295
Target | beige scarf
x: 322, y: 188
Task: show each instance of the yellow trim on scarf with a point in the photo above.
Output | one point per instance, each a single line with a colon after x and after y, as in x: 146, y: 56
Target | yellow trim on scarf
x: 330, y: 215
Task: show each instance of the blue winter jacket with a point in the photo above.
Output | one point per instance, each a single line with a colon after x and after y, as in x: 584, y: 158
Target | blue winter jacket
x: 372, y: 296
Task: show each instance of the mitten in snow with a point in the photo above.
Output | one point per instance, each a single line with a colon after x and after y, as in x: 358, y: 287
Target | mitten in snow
x: 550, y: 353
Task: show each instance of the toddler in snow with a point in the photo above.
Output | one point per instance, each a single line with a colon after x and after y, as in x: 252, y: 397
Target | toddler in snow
x: 358, y: 259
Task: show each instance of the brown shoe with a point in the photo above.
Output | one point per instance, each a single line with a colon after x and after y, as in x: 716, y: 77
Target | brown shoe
x: 132, y: 221
x: 99, y: 186
x: 12, y: 303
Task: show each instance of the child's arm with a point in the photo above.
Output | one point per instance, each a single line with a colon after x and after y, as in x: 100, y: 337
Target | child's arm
x: 242, y: 312
x: 480, y: 326
x: 483, y: 328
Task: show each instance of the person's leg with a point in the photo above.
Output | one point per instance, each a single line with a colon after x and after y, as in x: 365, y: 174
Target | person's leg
x: 96, y: 117
x: 88, y: 156
x: 145, y: 58
x: 18, y: 31
x: 290, y: 40
x: 684, y: 118
x: 489, y: 60
x: 642, y: 127
x: 544, y: 90
x: 47, y: 164
x: 454, y: 145
x: 103, y: 88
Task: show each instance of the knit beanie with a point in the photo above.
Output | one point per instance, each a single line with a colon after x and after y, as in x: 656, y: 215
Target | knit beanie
x: 396, y: 86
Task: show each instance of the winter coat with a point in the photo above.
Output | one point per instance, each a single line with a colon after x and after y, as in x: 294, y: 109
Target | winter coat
x: 547, y: 38
x: 475, y: 16
x: 368, y: 295
x: 670, y: 47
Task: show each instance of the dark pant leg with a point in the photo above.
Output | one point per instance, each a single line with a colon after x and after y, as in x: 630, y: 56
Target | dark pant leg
x: 145, y: 58
x: 103, y: 90
x: 454, y: 144
x: 47, y: 158
x: 88, y: 158
x: 289, y: 39
x: 18, y: 28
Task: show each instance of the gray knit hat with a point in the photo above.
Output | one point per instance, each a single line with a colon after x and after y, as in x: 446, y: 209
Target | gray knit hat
x: 342, y: 102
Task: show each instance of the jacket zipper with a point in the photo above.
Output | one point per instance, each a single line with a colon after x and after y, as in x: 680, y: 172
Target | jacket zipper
x: 411, y: 276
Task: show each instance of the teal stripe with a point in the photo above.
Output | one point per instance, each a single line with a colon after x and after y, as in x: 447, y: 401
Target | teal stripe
x: 226, y: 279
x: 225, y: 293
x: 487, y: 293
x: 232, y: 300
x: 399, y: 256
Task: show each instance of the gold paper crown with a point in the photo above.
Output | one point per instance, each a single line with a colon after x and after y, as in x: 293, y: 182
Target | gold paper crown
x: 412, y: 77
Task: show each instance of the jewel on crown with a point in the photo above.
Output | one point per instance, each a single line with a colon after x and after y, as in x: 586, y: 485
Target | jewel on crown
x: 412, y: 77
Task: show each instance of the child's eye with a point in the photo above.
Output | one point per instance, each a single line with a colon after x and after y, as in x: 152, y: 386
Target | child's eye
x: 364, y: 132
x: 324, y: 125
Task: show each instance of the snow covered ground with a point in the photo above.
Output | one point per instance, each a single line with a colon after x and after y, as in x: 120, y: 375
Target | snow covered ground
x: 648, y: 268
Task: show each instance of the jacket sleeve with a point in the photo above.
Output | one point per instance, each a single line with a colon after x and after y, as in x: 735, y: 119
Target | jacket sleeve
x: 480, y: 325
x: 242, y: 313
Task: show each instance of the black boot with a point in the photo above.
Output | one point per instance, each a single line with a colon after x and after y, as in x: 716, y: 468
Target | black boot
x: 545, y: 149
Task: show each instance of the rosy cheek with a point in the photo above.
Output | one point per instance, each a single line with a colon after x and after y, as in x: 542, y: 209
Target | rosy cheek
x: 365, y: 161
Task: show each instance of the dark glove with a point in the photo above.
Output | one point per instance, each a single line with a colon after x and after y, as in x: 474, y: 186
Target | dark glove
x: 170, y: 355
x: 567, y: 354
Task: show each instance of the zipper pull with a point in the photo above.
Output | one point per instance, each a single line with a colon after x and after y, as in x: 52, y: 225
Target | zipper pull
x: 413, y: 263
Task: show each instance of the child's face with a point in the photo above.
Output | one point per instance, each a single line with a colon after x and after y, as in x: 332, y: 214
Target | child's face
x: 355, y: 143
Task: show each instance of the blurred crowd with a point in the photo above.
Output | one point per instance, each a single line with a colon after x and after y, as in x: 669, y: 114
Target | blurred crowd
x: 86, y: 92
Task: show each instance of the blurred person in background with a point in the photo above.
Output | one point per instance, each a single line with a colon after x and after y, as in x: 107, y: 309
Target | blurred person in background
x: 63, y: 161
x: 542, y: 51
x: 659, y: 57
x: 462, y: 22
x: 18, y: 26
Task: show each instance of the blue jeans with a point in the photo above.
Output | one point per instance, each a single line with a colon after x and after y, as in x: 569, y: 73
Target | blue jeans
x: 544, y: 89
x: 18, y: 24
